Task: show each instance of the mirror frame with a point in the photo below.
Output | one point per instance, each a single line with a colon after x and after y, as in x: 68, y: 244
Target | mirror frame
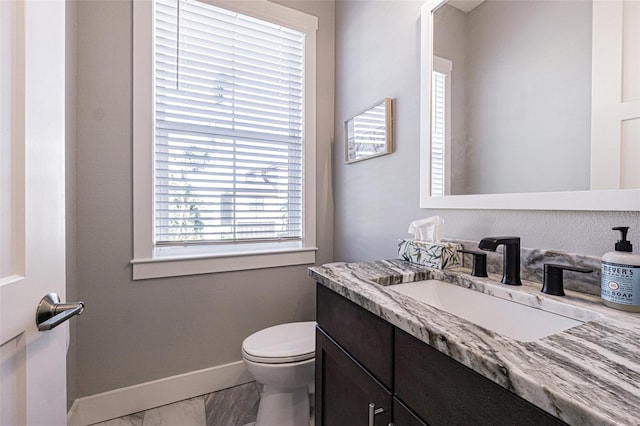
x: 388, y: 125
x: 594, y: 200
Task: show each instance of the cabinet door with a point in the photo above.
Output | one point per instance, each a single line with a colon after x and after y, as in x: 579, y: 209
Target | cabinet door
x: 444, y: 392
x: 344, y: 389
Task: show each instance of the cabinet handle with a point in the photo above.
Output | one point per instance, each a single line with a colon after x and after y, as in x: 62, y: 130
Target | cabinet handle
x: 372, y: 413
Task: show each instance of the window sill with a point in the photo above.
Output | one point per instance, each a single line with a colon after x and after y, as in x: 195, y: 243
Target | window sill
x: 180, y: 266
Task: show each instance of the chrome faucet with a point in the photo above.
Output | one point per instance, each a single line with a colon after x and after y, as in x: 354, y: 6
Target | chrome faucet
x: 511, y: 263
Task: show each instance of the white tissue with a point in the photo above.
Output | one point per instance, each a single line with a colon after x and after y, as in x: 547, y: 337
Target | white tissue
x: 430, y: 229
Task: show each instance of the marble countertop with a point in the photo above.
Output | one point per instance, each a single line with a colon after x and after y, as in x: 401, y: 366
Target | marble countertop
x: 586, y: 375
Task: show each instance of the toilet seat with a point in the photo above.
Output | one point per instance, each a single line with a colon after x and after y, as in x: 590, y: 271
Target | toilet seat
x: 280, y: 344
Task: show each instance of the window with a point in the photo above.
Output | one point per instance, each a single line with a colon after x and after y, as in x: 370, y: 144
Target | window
x: 224, y: 136
x: 440, y: 127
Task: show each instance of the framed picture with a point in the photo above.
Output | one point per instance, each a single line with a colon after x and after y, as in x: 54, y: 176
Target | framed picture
x: 370, y: 133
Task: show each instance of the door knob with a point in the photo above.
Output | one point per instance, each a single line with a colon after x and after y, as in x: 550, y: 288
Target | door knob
x: 51, y: 312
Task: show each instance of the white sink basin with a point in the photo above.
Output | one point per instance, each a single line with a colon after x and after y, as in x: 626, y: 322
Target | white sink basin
x: 511, y: 319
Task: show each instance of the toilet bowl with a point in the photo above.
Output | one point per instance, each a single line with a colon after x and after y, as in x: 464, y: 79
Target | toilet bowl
x: 282, y: 359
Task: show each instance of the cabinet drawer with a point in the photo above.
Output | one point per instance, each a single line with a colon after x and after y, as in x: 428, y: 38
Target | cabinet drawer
x: 366, y: 337
x: 443, y: 391
x: 344, y: 389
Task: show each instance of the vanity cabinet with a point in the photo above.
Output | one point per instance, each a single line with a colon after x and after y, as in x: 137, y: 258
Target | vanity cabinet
x: 345, y: 390
x: 362, y: 359
x: 443, y: 391
x: 367, y: 337
x: 354, y: 363
x: 403, y: 416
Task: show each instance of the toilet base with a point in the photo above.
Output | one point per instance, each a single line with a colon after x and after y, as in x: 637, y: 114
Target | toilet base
x: 283, y: 407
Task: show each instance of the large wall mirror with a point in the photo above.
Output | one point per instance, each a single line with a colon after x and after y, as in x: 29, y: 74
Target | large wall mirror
x: 530, y: 104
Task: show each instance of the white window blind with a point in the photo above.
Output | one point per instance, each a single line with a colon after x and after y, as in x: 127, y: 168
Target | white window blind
x: 229, y: 131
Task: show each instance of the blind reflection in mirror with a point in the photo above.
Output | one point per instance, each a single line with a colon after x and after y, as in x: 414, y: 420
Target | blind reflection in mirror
x: 369, y: 134
x: 440, y: 127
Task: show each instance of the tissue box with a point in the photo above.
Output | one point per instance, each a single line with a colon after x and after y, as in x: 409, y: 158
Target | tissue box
x: 439, y: 256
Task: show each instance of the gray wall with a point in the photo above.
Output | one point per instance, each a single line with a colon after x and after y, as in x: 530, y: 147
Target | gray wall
x: 377, y: 55
x: 133, y: 332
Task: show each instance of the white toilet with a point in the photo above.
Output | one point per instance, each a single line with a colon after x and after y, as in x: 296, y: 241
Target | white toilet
x: 282, y: 358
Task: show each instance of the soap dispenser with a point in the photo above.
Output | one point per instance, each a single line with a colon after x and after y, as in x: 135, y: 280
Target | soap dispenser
x: 620, y: 286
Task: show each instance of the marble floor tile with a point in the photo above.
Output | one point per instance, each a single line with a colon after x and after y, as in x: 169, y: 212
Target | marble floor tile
x: 235, y: 406
x: 184, y: 413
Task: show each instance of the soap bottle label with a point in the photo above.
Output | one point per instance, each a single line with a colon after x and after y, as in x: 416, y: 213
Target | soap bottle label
x: 621, y: 283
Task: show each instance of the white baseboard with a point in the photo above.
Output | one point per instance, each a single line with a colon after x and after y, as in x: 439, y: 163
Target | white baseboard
x: 121, y: 402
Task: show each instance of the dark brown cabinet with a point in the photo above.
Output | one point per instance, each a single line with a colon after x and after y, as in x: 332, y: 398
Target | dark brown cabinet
x: 354, y: 363
x: 365, y: 336
x: 403, y: 416
x: 443, y: 391
x: 345, y: 390
x: 362, y: 359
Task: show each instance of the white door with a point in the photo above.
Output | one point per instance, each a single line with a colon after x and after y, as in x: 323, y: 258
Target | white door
x: 32, y: 89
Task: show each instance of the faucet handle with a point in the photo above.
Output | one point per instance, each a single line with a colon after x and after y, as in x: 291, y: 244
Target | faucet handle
x: 479, y: 263
x: 553, y: 283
